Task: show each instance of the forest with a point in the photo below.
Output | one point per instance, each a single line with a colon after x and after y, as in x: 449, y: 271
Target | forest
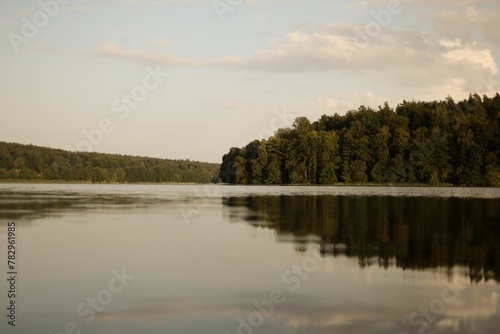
x: 29, y: 162
x: 432, y: 143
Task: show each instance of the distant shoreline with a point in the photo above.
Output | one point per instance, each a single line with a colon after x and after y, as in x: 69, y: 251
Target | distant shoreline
x: 339, y: 184
x: 41, y: 181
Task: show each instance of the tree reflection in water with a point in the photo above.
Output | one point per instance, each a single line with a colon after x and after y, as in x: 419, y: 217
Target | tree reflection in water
x: 412, y: 233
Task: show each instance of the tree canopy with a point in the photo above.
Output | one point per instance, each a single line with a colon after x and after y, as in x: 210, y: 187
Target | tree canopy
x: 438, y: 142
x: 31, y: 162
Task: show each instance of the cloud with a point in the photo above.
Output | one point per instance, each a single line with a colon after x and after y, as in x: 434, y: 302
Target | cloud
x: 112, y: 50
x: 456, y: 3
x: 161, y: 41
x: 467, y: 24
x: 160, y: 2
x: 79, y: 8
x: 478, y: 56
x: 47, y: 49
x: 28, y: 12
x: 117, y: 32
x: 370, y: 4
x: 316, y: 314
x: 293, y: 315
x: 468, y: 21
x: 415, y: 58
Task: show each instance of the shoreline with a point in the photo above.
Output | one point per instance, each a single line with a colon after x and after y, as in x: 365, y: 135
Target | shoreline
x: 17, y: 181
x: 339, y: 184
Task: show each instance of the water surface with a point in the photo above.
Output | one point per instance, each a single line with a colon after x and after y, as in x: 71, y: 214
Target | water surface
x: 234, y: 259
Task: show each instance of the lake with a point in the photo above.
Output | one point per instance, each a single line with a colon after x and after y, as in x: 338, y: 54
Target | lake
x: 250, y: 259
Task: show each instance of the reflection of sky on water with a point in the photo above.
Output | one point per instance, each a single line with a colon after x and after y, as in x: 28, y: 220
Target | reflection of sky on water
x: 200, y: 277
x: 336, y: 298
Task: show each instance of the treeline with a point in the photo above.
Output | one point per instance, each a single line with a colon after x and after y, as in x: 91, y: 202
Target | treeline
x: 439, y: 142
x: 30, y: 162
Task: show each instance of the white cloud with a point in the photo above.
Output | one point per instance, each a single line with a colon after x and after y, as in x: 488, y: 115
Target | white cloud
x: 113, y: 50
x: 161, y: 41
x: 369, y: 4
x: 456, y: 3
x: 27, y: 12
x: 455, y: 58
x: 79, y: 8
x: 118, y: 32
x: 468, y: 22
x: 321, y: 314
x: 477, y: 56
x: 159, y: 2
x: 417, y: 58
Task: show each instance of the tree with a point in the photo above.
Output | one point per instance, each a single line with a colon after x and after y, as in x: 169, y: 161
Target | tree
x: 259, y: 165
x: 380, y: 153
x: 328, y: 157
x: 437, y: 142
x: 355, y: 152
x: 19, y: 163
x: 302, y: 125
x: 33, y: 162
x: 4, y: 174
x: 241, y: 174
x: 227, y: 171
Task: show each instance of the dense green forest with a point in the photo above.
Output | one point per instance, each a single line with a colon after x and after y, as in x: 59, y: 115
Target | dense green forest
x: 32, y: 162
x: 439, y: 142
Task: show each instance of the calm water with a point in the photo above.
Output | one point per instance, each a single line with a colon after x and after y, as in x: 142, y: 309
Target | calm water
x: 223, y: 259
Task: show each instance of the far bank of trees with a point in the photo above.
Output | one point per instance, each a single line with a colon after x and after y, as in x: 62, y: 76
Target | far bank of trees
x: 30, y: 162
x: 439, y: 142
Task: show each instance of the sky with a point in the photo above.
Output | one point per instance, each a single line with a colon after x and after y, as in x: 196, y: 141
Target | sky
x: 188, y: 79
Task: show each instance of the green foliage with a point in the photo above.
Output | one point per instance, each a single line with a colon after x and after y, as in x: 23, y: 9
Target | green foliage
x: 4, y: 174
x: 31, y: 162
x: 438, y: 142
